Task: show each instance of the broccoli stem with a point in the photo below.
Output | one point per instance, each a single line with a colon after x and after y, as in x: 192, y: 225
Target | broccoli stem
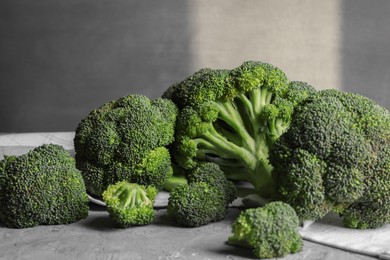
x: 174, y: 181
x: 248, y: 165
x: 239, y: 140
x: 212, y: 142
x: 262, y: 180
x: 128, y: 196
x: 259, y: 97
x: 229, y: 114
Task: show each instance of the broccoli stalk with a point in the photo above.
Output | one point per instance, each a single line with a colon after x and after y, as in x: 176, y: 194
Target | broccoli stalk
x: 232, y: 118
x: 130, y: 204
x: 177, y: 178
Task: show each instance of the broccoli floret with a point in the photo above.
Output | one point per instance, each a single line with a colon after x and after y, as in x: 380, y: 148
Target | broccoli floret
x: 126, y: 139
x: 233, y: 117
x: 42, y: 187
x: 271, y: 231
x: 210, y: 173
x: 195, y: 198
x: 335, y: 157
x: 130, y: 204
x: 196, y: 204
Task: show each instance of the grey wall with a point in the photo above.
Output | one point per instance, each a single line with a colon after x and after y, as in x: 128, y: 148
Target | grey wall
x: 365, y: 52
x: 60, y: 59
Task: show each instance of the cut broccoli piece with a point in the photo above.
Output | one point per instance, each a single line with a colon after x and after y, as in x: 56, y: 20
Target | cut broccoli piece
x: 130, y: 204
x: 271, y: 231
x: 196, y: 204
x: 211, y: 174
x: 195, y: 199
x: 42, y: 187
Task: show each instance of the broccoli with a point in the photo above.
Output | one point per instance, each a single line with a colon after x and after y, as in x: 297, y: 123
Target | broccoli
x: 126, y: 139
x: 42, y: 187
x: 203, y: 198
x: 233, y: 117
x: 211, y: 174
x: 336, y: 157
x: 271, y: 231
x: 196, y: 204
x: 130, y: 204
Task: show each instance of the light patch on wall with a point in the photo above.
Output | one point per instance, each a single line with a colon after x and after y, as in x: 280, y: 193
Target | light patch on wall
x: 303, y: 38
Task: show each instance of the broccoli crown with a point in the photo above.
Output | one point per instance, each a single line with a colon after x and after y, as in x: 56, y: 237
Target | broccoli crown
x: 335, y: 157
x: 232, y: 118
x: 271, y: 231
x: 126, y: 139
x: 130, y: 204
x: 196, y: 204
x: 42, y: 187
x: 211, y: 173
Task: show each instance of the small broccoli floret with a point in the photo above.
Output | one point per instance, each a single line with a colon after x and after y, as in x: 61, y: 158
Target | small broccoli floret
x: 195, y: 199
x: 130, y: 204
x: 271, y: 231
x: 196, y: 204
x: 42, y: 187
x: 233, y: 117
x: 335, y: 157
x: 126, y: 139
x: 210, y: 173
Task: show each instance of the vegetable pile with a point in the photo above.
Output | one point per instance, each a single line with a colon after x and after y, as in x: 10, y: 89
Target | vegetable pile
x: 305, y: 152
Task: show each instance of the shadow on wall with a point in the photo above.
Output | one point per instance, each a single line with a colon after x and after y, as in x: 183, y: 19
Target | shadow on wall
x: 60, y: 59
x: 366, y: 49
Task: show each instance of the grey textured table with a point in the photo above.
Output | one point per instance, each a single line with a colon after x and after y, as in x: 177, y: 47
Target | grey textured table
x: 96, y: 237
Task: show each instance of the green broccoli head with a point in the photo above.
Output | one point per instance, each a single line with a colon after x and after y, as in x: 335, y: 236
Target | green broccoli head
x: 42, y: 187
x: 211, y: 174
x: 335, y: 157
x: 203, y: 86
x: 130, y: 204
x: 126, y: 139
x: 233, y: 117
x: 271, y: 231
x: 196, y: 204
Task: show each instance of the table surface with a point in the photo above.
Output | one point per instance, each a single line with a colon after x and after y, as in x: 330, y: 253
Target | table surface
x: 97, y: 237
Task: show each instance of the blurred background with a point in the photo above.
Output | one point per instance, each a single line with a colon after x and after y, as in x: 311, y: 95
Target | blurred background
x: 61, y: 59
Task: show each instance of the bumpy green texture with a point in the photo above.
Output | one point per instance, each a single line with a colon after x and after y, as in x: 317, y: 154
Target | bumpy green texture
x: 233, y: 117
x: 130, y: 204
x: 336, y: 157
x: 126, y: 139
x: 196, y: 204
x: 211, y: 174
x: 271, y: 231
x: 203, y: 198
x: 42, y: 187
